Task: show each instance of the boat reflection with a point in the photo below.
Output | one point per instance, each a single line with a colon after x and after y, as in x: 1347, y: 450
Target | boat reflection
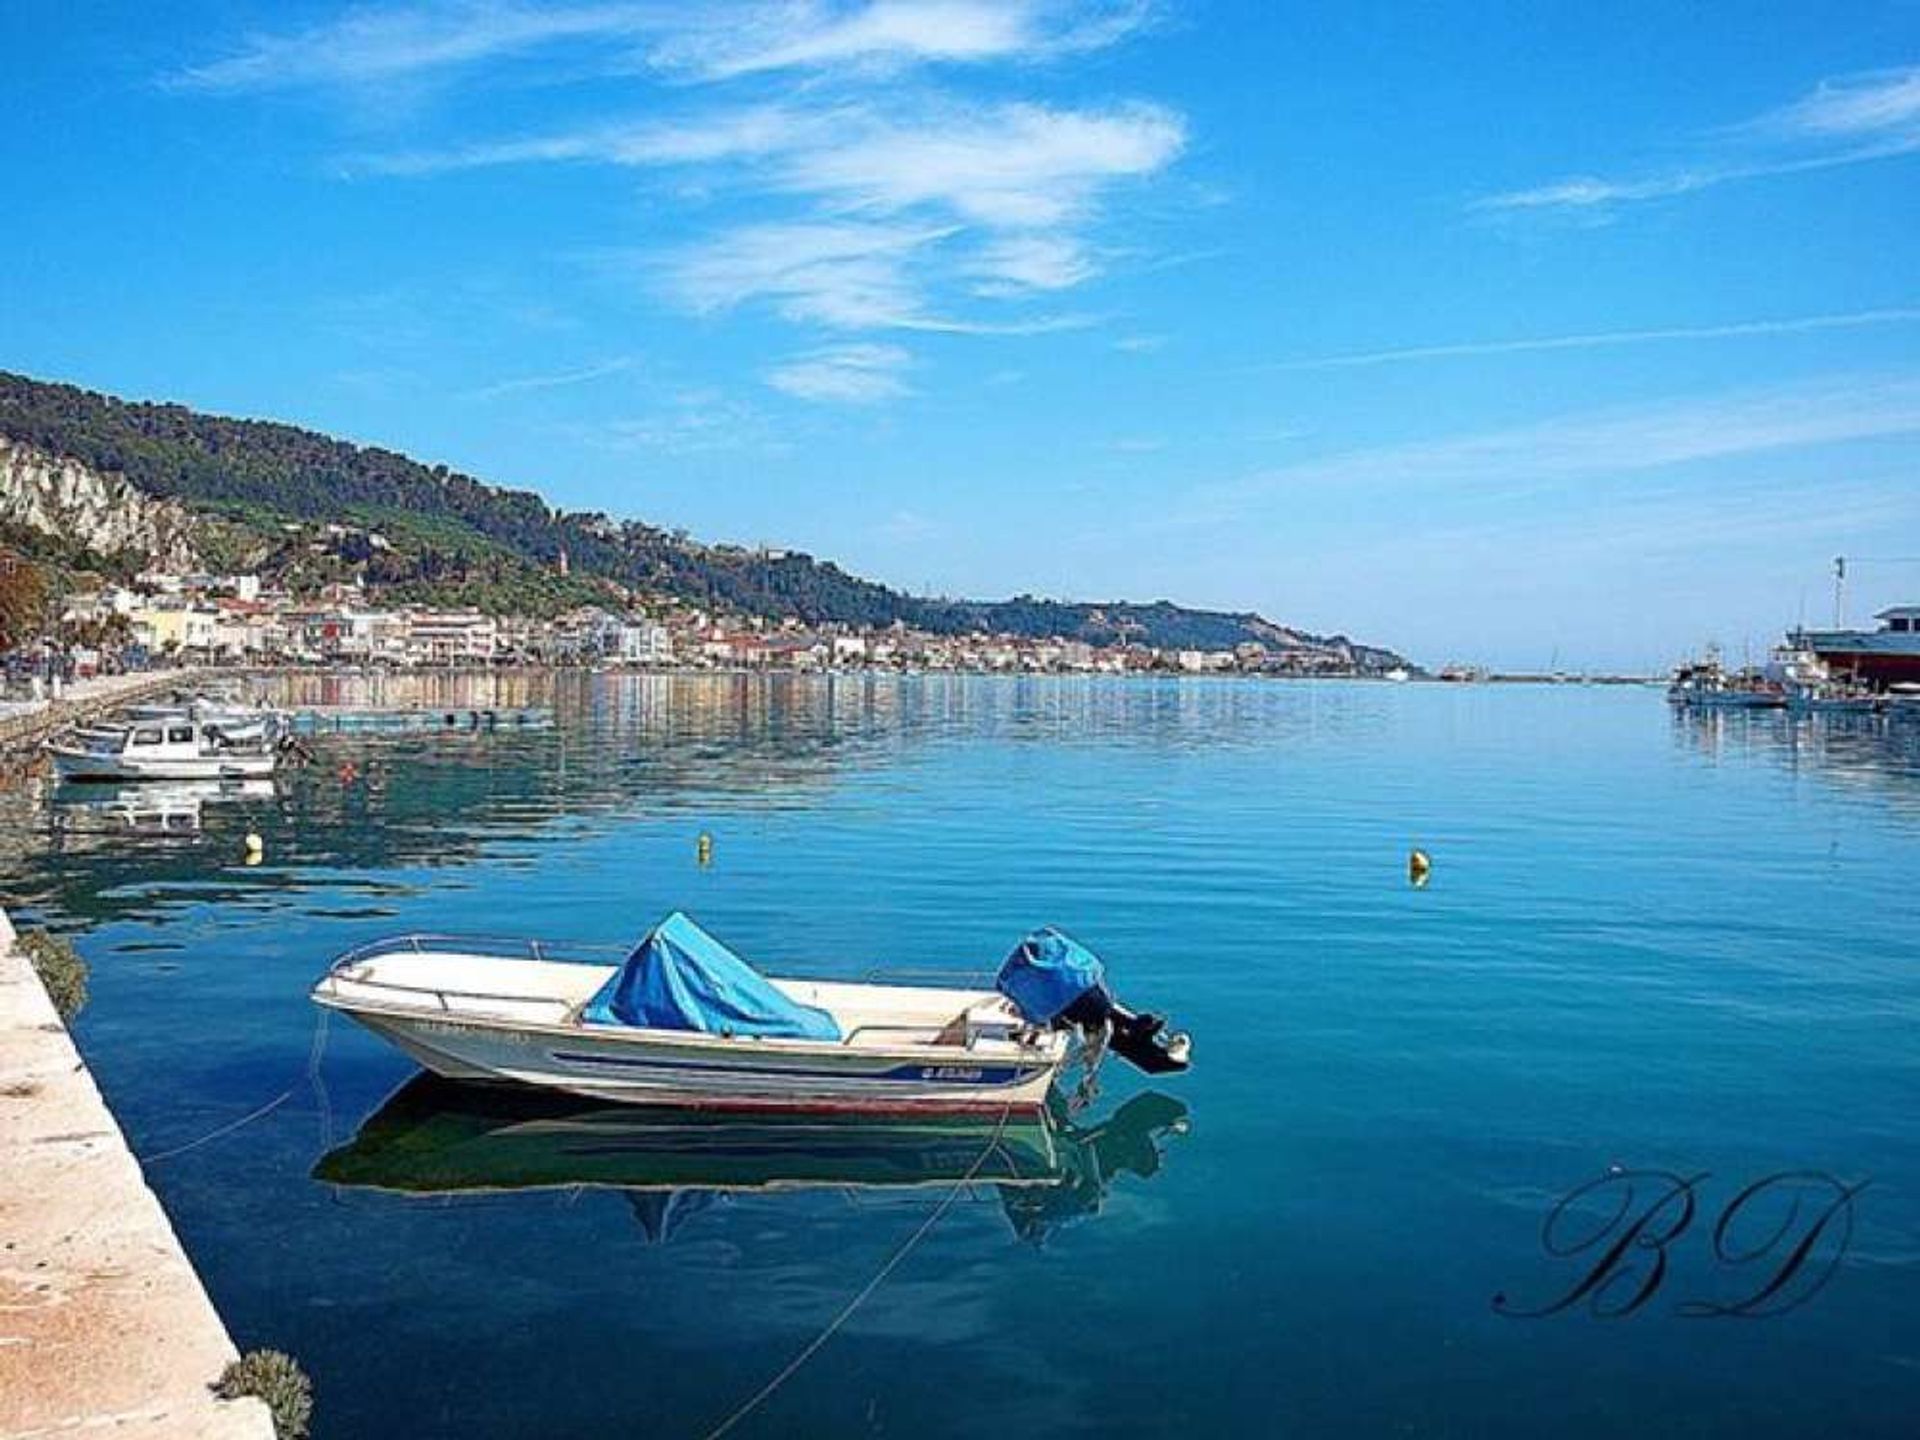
x: 157, y: 808
x: 1871, y: 756
x: 439, y: 1137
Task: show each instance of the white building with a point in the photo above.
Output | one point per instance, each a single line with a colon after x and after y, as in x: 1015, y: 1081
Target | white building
x: 447, y: 637
x: 644, y: 642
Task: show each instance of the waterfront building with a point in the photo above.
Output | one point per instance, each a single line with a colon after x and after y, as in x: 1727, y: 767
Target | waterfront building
x: 1889, y: 655
x: 450, y: 637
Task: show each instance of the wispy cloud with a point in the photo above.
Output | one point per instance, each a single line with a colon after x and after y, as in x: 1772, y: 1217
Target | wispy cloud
x: 1843, y: 121
x: 376, y: 44
x: 1582, y: 446
x: 1013, y: 185
x: 373, y: 44
x: 553, y: 381
x: 844, y: 374
x: 1600, y: 339
x: 1016, y: 167
x: 846, y: 275
x: 891, y: 35
x: 857, y: 197
x: 737, y: 134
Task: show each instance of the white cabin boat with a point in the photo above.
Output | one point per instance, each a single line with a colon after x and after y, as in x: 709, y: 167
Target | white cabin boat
x: 684, y: 1022
x: 236, y: 720
x: 173, y: 747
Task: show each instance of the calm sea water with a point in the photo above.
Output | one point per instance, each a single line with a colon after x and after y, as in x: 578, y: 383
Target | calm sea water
x: 1685, y: 946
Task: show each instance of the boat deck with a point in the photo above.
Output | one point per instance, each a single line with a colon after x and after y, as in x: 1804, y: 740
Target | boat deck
x: 425, y: 977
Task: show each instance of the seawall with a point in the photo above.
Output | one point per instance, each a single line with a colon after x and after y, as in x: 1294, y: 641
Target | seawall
x: 104, y: 1326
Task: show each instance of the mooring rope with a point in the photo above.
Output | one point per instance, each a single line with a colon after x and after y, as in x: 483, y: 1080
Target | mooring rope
x: 807, y: 1352
x: 311, y: 1076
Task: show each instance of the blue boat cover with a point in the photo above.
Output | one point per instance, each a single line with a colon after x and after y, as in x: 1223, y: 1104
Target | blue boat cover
x: 681, y: 978
x: 1046, y: 973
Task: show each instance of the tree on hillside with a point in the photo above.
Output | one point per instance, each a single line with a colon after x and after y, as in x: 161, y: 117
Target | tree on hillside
x: 24, y: 594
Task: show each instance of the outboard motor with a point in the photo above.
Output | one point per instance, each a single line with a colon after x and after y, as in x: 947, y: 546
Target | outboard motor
x: 1055, y: 981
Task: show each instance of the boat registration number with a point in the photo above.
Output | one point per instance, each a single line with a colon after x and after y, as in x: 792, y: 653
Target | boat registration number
x: 952, y: 1072
x: 445, y: 1027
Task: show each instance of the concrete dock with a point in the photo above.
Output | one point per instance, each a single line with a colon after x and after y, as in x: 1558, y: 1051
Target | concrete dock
x: 104, y: 1327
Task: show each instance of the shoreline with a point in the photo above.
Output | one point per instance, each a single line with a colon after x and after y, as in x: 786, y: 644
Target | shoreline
x: 104, y: 1324
x: 269, y: 672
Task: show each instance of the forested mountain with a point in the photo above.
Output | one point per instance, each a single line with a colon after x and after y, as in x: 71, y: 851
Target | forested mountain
x: 449, y: 535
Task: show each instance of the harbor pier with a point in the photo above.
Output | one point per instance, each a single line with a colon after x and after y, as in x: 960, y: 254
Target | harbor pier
x: 104, y: 1326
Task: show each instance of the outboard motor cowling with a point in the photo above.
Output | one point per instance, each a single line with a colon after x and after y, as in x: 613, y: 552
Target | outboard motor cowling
x: 1053, y: 980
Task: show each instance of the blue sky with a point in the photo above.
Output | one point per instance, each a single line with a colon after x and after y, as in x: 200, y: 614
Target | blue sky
x: 1575, y: 333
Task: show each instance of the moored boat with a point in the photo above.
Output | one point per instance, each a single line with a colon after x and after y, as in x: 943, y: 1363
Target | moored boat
x: 1705, y: 685
x: 683, y: 1021
x: 235, y: 720
x: 170, y: 747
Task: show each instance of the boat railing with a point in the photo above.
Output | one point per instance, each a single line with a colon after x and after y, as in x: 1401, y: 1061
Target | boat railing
x: 493, y: 947
x: 921, y: 1028
x: 499, y: 947
x: 447, y: 996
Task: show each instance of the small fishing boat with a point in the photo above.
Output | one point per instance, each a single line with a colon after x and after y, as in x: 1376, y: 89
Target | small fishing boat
x: 683, y: 1021
x: 236, y: 720
x: 174, y: 747
x: 1706, y: 686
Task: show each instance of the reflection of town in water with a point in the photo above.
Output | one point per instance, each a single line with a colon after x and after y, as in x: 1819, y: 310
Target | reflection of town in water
x: 436, y: 1137
x: 1870, y: 755
x: 621, y: 744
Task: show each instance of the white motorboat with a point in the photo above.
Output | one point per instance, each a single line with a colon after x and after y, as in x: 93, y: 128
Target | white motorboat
x: 236, y: 720
x: 682, y: 1021
x: 170, y: 748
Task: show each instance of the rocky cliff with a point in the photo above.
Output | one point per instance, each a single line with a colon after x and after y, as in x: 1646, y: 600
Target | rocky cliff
x: 80, y: 508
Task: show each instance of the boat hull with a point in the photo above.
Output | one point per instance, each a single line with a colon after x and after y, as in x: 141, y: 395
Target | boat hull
x: 438, y: 1137
x: 83, y: 766
x: 703, y: 1073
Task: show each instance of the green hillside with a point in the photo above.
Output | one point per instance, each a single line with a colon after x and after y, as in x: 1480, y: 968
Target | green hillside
x: 451, y: 537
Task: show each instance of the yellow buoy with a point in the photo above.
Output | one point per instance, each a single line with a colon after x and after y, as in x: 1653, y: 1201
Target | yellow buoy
x: 1419, y: 867
x: 703, y: 848
x: 256, y: 848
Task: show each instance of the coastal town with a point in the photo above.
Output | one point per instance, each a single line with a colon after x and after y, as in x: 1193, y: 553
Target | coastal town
x: 208, y: 619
